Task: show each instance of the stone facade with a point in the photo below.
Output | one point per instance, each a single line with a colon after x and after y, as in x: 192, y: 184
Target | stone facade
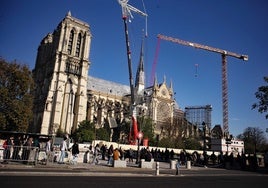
x: 60, y: 76
x: 65, y: 95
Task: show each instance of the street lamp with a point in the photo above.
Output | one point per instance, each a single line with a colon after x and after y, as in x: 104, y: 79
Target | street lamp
x: 140, y: 135
x: 228, y: 142
x: 204, y: 135
x: 205, y: 144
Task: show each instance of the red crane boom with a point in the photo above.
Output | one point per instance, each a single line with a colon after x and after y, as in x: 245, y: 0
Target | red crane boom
x: 224, y: 54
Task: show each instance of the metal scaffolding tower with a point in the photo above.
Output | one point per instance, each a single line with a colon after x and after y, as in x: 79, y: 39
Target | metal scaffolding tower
x: 199, y: 114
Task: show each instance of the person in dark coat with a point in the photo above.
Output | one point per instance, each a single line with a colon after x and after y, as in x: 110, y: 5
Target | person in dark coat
x: 75, y: 152
x: 7, y: 149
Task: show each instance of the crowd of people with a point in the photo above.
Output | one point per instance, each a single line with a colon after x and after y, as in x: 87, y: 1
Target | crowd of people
x: 17, y: 148
x: 26, y: 150
x: 219, y: 159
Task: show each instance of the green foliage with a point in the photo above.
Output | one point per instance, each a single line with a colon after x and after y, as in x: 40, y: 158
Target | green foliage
x: 254, y: 140
x: 262, y: 96
x: 102, y: 134
x: 146, y: 127
x: 60, y: 133
x: 85, y: 132
x: 193, y: 144
x: 116, y: 134
x: 167, y: 143
x: 16, y: 101
x: 188, y: 143
x: 125, y: 127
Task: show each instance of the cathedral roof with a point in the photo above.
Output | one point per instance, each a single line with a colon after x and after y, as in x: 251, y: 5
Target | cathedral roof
x: 105, y: 86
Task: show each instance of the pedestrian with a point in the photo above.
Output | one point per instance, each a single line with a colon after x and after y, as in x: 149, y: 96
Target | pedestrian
x: 96, y: 154
x: 63, y: 150
x: 122, y: 157
x: 178, y: 167
x: 75, y: 152
x: 103, y: 151
x: 116, y: 154
x: 213, y: 157
x: 110, y: 155
x: 7, y: 149
x: 148, y: 155
x: 49, y: 150
x: 27, y: 147
x: 130, y: 155
x: 16, y: 148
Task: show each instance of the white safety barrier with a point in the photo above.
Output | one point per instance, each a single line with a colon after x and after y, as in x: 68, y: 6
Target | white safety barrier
x: 147, y: 164
x: 25, y: 154
x: 120, y: 164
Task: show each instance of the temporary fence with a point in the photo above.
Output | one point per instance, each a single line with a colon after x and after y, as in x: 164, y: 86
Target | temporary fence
x: 24, y: 154
x: 36, y: 155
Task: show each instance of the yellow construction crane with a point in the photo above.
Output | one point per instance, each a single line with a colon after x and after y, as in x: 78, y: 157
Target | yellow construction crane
x: 224, y: 54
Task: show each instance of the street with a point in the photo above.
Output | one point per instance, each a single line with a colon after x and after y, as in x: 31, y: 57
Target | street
x: 136, y: 181
x: 91, y: 176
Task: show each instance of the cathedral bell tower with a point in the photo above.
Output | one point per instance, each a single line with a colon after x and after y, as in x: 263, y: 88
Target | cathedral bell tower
x: 60, y: 75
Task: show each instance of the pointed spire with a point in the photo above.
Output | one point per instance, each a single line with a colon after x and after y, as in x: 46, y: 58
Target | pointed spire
x: 155, y: 81
x: 140, y: 80
x: 171, y: 86
x: 165, y: 79
x: 69, y: 14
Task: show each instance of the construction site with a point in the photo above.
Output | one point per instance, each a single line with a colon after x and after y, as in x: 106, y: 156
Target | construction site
x: 198, y: 115
x: 107, y: 103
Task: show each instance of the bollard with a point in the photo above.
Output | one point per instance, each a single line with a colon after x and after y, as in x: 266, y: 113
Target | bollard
x: 173, y: 164
x: 188, y: 164
x: 157, y: 169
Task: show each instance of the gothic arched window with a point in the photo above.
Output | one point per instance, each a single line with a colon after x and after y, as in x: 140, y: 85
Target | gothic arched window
x: 78, y: 45
x: 70, y: 43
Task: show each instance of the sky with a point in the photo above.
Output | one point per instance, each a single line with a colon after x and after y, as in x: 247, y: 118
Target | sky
x: 239, y: 26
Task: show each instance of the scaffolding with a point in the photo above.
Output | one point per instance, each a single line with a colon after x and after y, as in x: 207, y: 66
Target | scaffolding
x: 199, y: 114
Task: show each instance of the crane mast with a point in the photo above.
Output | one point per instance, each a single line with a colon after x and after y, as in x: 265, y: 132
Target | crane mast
x: 224, y: 55
x: 126, y: 11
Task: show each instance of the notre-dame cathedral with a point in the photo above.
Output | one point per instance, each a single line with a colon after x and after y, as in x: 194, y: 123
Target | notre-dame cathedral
x: 65, y: 94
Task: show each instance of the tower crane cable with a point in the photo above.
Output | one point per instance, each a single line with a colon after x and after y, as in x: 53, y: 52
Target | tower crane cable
x: 155, y: 62
x: 146, y: 31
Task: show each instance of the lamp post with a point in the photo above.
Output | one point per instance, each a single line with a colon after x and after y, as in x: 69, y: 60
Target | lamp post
x: 228, y: 142
x: 204, y: 135
x: 205, y: 144
x: 140, y: 135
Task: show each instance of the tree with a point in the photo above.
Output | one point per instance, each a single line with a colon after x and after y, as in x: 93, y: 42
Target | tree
x: 85, y: 132
x: 254, y: 140
x: 191, y: 143
x: 102, y: 134
x: 262, y: 96
x: 16, y: 100
x: 146, y: 127
x: 121, y: 133
x: 167, y: 143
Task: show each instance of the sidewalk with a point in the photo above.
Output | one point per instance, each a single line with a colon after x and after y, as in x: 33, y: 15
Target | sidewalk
x: 103, y: 169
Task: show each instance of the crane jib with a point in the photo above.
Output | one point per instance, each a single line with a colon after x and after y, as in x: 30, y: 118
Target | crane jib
x: 224, y: 54
x: 204, y: 47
